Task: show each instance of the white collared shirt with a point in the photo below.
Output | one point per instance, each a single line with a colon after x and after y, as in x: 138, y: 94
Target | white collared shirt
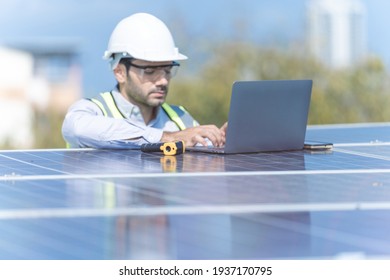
x: 86, y: 126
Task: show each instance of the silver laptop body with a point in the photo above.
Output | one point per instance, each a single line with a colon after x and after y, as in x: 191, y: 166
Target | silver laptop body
x: 266, y: 116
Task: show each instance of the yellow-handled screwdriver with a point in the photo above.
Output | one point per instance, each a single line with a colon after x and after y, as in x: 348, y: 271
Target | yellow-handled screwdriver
x: 168, y: 148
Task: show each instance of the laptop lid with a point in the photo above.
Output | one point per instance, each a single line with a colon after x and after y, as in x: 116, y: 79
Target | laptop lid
x: 268, y: 116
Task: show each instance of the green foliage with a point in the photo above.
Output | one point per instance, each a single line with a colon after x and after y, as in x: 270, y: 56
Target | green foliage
x: 360, y: 94
x: 47, y: 130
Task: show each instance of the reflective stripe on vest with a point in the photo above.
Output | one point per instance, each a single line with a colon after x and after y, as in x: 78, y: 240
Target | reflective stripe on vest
x: 173, y: 116
x: 105, y: 101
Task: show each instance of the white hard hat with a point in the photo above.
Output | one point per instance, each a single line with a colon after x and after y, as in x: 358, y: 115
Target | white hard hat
x: 142, y: 36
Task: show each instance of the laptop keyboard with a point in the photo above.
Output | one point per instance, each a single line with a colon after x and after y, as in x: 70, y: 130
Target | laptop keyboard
x: 212, y: 149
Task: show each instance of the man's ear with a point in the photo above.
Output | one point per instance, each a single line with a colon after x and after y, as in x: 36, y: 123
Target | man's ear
x: 120, y: 73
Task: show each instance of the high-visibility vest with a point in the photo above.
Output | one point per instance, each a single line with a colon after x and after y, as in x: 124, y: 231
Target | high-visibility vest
x: 105, y: 101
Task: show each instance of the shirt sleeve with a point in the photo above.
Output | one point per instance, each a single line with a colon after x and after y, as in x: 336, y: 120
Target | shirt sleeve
x: 86, y: 126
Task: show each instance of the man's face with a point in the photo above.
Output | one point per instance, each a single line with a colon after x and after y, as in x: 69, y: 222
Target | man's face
x: 147, y: 82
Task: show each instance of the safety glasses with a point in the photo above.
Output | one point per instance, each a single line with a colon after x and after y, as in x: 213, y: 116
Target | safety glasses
x: 155, y: 72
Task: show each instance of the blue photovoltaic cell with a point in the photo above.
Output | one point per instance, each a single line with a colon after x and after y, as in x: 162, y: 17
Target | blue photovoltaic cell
x: 124, y: 204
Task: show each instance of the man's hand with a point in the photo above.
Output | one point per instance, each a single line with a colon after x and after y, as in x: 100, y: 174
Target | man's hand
x: 224, y: 128
x: 194, y: 135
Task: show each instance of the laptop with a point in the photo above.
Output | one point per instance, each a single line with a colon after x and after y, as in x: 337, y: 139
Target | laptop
x: 265, y: 116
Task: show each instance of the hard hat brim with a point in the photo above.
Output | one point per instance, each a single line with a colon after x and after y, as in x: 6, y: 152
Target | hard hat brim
x: 108, y: 55
x: 114, y: 61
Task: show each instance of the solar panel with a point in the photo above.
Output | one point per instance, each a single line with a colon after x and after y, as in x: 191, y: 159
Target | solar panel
x: 125, y: 204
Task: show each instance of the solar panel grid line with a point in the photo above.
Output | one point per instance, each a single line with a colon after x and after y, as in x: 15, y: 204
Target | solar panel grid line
x: 30, y: 164
x: 53, y: 195
x: 54, y: 234
x: 48, y: 213
x: 57, y: 231
x: 27, y: 193
x: 46, y: 157
x: 328, y: 233
x: 269, y: 189
x: 163, y: 196
x: 362, y: 144
x: 218, y: 232
x: 184, y: 175
x: 35, y: 193
x: 387, y: 158
x: 52, y: 243
x: 54, y: 229
x: 16, y: 251
x: 29, y: 241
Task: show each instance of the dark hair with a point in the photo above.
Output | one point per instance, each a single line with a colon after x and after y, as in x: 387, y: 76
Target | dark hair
x: 126, y: 62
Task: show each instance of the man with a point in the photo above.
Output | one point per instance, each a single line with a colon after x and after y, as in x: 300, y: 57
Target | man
x: 143, y: 57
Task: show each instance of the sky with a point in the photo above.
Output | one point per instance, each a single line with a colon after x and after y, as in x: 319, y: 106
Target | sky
x: 89, y: 23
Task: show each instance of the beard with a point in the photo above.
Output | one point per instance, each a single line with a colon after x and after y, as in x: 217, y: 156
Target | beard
x: 157, y: 96
x: 153, y: 98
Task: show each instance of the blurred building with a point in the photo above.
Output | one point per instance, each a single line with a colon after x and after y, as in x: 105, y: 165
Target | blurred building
x: 337, y: 31
x: 35, y: 80
x: 15, y: 111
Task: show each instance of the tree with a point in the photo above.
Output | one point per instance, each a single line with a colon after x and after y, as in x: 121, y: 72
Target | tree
x: 359, y: 94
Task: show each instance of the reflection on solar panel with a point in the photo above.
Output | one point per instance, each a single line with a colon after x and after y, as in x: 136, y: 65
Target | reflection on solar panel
x: 100, y: 204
